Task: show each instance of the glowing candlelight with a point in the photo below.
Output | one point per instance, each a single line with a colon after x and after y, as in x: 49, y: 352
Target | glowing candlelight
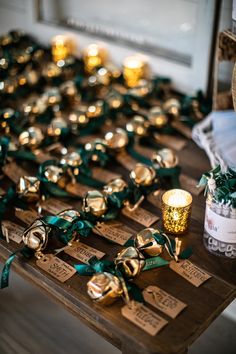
x: 63, y: 46
x: 94, y: 56
x: 134, y: 69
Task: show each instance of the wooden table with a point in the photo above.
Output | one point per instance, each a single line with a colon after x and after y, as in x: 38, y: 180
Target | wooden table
x: 204, y: 303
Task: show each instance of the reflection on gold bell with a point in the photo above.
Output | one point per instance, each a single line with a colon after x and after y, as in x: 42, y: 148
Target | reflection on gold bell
x: 56, y: 175
x: 166, y: 158
x: 157, y: 117
x: 36, y: 235
x: 138, y: 125
x: 146, y: 242
x: 35, y: 105
x: 114, y: 99
x: 172, y: 107
x: 117, y: 139
x: 101, y: 77
x: 55, y: 128
x: 78, y: 117
x: 130, y: 261
x: 95, y: 203
x: 97, y: 146
x: 32, y: 137
x: 72, y: 159
x: 142, y: 89
x: 51, y: 70
x: 52, y: 96
x: 28, y: 188
x: 143, y: 175
x: 115, y: 186
x: 104, y: 288
x: 69, y: 215
x: 95, y: 110
x: 69, y: 89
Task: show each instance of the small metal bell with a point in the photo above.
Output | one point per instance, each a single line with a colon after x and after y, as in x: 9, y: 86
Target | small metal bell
x: 36, y: 235
x: 32, y: 137
x: 117, y: 140
x: 166, y: 158
x: 97, y: 146
x: 56, y: 174
x: 104, y: 288
x: 52, y: 96
x: 69, y: 89
x: 56, y: 127
x: 35, y: 106
x: 95, y: 203
x: 130, y: 261
x: 172, y: 107
x: 72, y: 159
x: 101, y: 77
x: 146, y: 242
x: 143, y: 175
x: 28, y: 188
x: 78, y: 117
x: 157, y: 118
x: 95, y: 110
x: 115, y: 186
x: 69, y: 215
x: 114, y: 99
x: 143, y: 88
x: 138, y: 125
x: 51, y: 70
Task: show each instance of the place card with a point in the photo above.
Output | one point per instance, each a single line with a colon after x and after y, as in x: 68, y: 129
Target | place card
x: 14, y: 171
x: 163, y: 301
x: 57, y: 268
x: 190, y: 184
x: 143, y: 317
x: 55, y: 206
x: 118, y: 234
x: 104, y: 175
x: 83, y: 252
x: 126, y: 160
x: 171, y: 141
x: 12, y: 231
x: 27, y: 216
x: 140, y: 215
x: 155, y: 198
x: 190, y: 272
x: 77, y: 189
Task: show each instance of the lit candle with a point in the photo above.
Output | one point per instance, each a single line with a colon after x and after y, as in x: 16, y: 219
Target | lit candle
x: 176, y: 210
x: 63, y: 46
x: 94, y: 56
x: 134, y: 69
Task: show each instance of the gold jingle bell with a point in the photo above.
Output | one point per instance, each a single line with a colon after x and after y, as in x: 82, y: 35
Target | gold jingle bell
x: 35, y: 105
x: 101, y: 77
x: 28, y: 188
x: 115, y: 186
x: 117, y: 140
x: 157, y: 118
x: 69, y: 89
x: 95, y: 203
x: 55, y: 174
x: 36, y: 235
x: 8, y: 85
x: 143, y: 175
x: 166, y: 158
x: 146, y: 242
x: 55, y: 128
x: 78, y: 117
x: 52, y: 96
x: 51, y: 70
x: 138, y: 125
x: 72, y: 159
x: 32, y: 137
x: 114, y: 99
x: 130, y: 261
x: 95, y: 110
x: 142, y: 89
x: 104, y: 288
x: 172, y: 107
x: 94, y: 56
x: 6, y: 115
x: 69, y: 215
x: 96, y: 146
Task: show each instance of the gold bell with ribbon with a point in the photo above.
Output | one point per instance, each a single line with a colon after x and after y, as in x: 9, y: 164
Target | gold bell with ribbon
x: 72, y: 159
x: 146, y: 242
x: 94, y: 56
x: 142, y: 89
x: 36, y: 236
x: 95, y: 110
x: 78, y: 117
x: 117, y: 139
x: 172, y: 106
x: 104, y: 288
x: 28, y: 188
x: 95, y: 203
x: 51, y: 70
x: 115, y: 186
x: 157, y: 118
x: 32, y: 137
x: 52, y: 96
x: 143, y: 175
x: 56, y: 127
x: 68, y: 89
x: 69, y: 215
x: 114, y: 99
x: 34, y: 106
x: 57, y: 175
x: 97, y: 146
x: 165, y: 158
x: 130, y: 261
x: 138, y: 125
x: 7, y: 115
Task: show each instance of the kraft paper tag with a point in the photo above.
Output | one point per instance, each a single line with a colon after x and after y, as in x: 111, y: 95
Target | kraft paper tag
x: 172, y: 142
x: 27, y: 216
x: 182, y: 128
x: 163, y: 301
x: 190, y: 184
x: 55, y: 206
x: 140, y: 215
x: 57, y: 268
x: 155, y: 198
x: 126, y: 160
x: 117, y: 234
x: 14, y: 171
x: 42, y: 156
x: 143, y: 317
x: 104, y: 175
x: 77, y: 189
x: 190, y: 272
x: 83, y: 252
x: 12, y: 231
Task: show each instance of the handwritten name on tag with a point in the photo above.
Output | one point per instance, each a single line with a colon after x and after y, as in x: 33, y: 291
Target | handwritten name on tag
x: 14, y: 171
x: 163, y: 301
x: 190, y: 184
x: 143, y: 317
x: 190, y: 272
x: 77, y: 189
x: 83, y: 252
x: 55, y: 206
x: 57, y: 268
x: 115, y: 234
x: 27, y: 216
x: 12, y: 231
x: 170, y: 141
x: 140, y: 215
x: 104, y: 175
x: 126, y: 160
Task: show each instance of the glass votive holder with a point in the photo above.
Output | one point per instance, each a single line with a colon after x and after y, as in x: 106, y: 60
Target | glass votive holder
x: 95, y: 55
x: 63, y: 46
x: 176, y: 211
x: 134, y: 70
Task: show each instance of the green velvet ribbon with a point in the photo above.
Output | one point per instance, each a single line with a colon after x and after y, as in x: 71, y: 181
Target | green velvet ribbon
x: 4, y: 145
x: 154, y: 262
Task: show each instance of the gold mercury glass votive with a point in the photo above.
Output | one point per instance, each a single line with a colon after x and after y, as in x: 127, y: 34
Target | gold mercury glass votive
x: 95, y: 55
x: 176, y: 211
x: 63, y: 46
x: 134, y: 69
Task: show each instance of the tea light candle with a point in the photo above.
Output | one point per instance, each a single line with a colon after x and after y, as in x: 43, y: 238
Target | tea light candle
x: 176, y: 210
x: 94, y: 56
x: 134, y: 69
x: 63, y: 46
